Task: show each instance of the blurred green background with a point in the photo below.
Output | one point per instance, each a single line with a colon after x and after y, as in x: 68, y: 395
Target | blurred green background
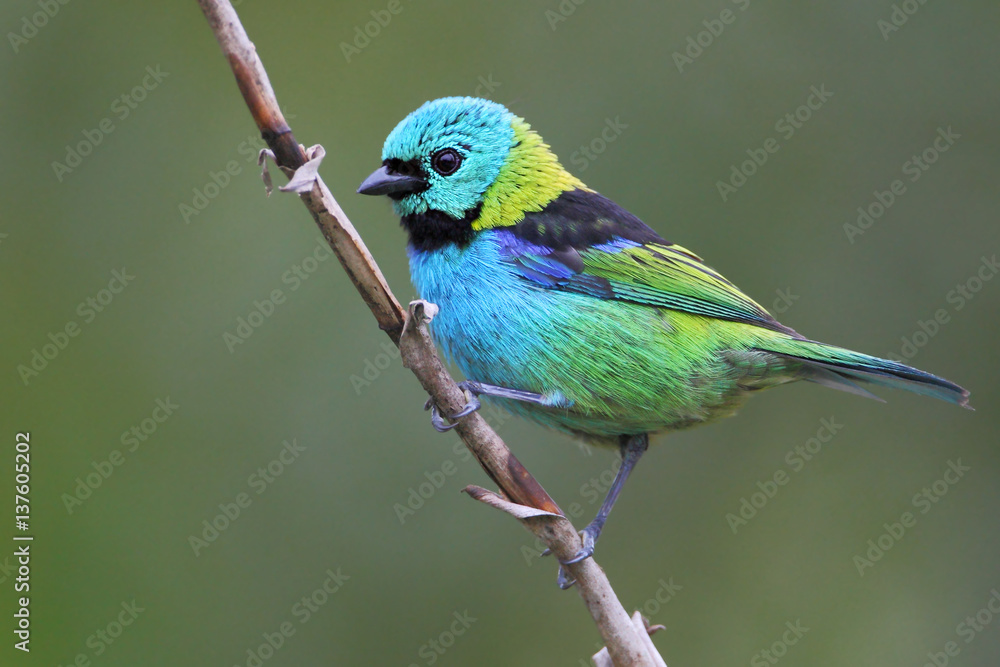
x: 315, y: 373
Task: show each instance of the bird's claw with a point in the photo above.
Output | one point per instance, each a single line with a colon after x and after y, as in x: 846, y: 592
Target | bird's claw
x: 563, y: 580
x: 438, y: 421
x: 589, y: 540
x: 589, y: 537
x: 471, y: 406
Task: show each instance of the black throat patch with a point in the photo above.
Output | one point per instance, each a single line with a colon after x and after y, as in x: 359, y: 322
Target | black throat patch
x: 433, y: 230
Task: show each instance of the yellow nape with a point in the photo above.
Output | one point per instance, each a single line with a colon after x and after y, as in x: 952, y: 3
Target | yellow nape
x: 531, y: 177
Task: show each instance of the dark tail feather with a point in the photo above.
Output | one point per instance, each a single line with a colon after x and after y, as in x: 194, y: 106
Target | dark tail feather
x: 839, y: 368
x: 833, y: 380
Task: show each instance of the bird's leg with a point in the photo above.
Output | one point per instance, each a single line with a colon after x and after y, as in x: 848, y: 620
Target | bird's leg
x: 632, y: 449
x: 475, y: 390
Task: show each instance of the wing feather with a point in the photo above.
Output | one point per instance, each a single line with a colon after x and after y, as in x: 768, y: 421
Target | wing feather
x: 587, y: 244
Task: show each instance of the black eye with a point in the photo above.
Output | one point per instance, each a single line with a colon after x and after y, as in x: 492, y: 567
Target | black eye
x: 446, y: 162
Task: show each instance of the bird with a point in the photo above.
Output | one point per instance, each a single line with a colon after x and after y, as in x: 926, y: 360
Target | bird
x: 562, y: 307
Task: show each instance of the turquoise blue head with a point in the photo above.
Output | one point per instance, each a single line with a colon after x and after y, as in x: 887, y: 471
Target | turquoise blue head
x: 443, y: 157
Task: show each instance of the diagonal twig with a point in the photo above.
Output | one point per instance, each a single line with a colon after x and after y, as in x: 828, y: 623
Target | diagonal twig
x: 408, y: 329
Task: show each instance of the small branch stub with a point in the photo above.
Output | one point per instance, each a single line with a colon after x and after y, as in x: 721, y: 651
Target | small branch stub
x: 603, y: 659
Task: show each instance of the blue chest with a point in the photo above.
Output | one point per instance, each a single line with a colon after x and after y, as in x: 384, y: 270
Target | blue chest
x: 492, y: 321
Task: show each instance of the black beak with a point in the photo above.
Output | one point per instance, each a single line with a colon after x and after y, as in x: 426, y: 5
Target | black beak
x: 384, y: 182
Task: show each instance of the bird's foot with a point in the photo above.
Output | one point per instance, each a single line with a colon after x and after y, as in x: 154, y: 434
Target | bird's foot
x: 563, y: 581
x: 475, y: 389
x: 438, y: 422
x: 589, y: 537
